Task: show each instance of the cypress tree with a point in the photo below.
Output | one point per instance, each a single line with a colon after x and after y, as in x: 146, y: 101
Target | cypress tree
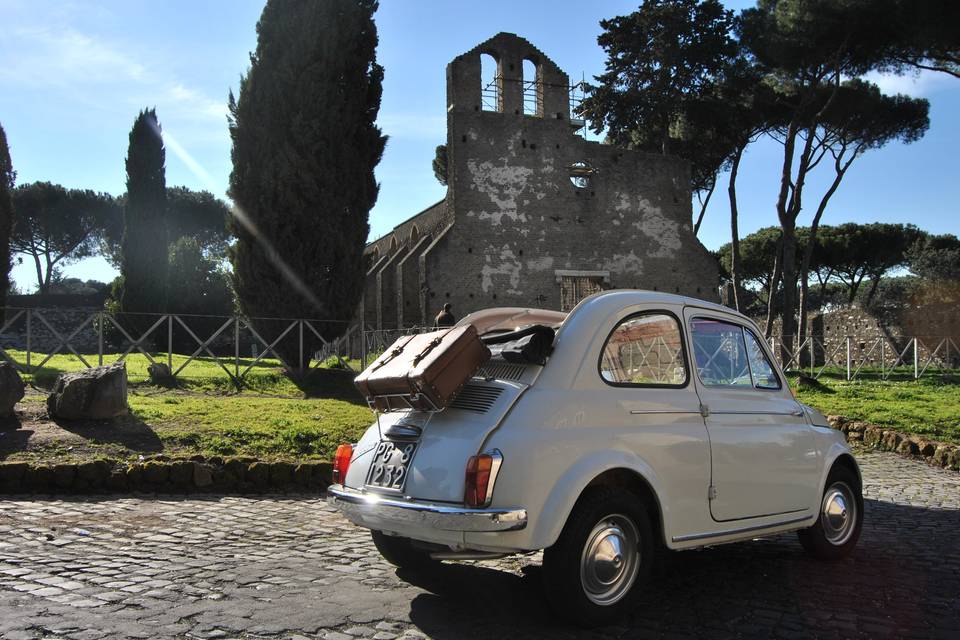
x: 304, y: 149
x: 144, y: 251
x: 7, y: 177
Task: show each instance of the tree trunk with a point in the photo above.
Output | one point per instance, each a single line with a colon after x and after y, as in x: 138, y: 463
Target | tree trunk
x: 36, y: 261
x: 788, y: 318
x: 841, y: 169
x: 703, y: 207
x: 771, y: 295
x: 787, y: 217
x: 734, y: 230
x: 874, y: 282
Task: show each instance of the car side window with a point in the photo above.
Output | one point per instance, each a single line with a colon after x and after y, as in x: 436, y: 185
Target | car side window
x: 645, y: 350
x: 764, y: 375
x: 720, y: 353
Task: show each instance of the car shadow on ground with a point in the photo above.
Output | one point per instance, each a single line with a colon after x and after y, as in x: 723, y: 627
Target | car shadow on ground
x: 901, y: 581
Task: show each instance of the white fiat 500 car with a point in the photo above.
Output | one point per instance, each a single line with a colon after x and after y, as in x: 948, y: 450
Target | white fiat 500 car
x: 658, y: 421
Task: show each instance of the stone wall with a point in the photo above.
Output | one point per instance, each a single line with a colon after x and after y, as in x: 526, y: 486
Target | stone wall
x: 883, y: 338
x: 531, y: 207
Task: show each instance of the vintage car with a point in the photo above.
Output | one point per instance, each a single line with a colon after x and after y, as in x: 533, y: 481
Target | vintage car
x: 658, y: 421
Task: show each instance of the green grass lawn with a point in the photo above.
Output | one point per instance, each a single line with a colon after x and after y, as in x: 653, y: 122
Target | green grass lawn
x: 928, y: 407
x: 274, y: 415
x: 277, y: 417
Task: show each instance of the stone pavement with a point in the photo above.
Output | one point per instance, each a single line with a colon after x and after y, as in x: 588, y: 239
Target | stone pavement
x: 282, y: 566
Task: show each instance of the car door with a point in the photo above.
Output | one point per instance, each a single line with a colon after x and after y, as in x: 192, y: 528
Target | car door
x: 645, y: 364
x: 763, y: 453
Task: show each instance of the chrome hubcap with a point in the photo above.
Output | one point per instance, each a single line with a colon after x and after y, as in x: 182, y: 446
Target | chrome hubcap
x: 838, y: 513
x: 610, y: 560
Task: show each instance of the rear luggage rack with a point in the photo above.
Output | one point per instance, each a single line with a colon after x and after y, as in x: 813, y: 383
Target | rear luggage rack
x: 402, y: 401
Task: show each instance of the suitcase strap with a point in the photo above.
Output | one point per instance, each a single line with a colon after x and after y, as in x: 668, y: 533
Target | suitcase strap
x: 393, y: 354
x: 430, y: 347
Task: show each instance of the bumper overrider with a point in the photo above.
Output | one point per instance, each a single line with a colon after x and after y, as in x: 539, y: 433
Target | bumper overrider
x: 377, y: 511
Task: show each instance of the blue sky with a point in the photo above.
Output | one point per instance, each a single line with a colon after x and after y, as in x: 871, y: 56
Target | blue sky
x: 73, y: 76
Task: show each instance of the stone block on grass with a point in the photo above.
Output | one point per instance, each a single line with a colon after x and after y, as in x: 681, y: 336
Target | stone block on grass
x: 11, y: 389
x: 159, y: 373
x: 98, y: 393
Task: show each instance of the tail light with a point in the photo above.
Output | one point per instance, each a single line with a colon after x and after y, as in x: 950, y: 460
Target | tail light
x: 481, y: 474
x: 341, y: 463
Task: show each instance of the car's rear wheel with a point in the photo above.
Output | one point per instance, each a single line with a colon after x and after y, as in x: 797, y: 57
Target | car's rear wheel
x: 837, y: 530
x: 400, y: 552
x: 605, y: 551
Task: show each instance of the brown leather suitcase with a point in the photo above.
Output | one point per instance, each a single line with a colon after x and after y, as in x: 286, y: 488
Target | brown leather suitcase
x: 423, y: 371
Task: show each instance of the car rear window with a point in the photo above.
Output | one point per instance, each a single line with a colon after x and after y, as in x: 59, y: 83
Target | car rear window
x: 645, y: 350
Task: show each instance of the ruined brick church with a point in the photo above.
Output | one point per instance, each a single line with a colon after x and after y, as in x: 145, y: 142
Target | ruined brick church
x: 535, y: 215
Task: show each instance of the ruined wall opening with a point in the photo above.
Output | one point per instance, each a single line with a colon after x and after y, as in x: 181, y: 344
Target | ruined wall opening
x: 490, y: 94
x: 532, y: 89
x: 581, y: 174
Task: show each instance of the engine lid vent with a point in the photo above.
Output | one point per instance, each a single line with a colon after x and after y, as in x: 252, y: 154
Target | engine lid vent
x: 476, y: 398
x: 501, y: 371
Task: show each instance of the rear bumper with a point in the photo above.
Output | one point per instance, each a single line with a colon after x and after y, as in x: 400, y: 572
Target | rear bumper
x: 382, y: 513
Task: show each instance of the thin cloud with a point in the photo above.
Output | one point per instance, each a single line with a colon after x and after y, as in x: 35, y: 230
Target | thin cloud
x: 63, y: 58
x: 39, y: 56
x: 917, y: 85
x: 413, y: 125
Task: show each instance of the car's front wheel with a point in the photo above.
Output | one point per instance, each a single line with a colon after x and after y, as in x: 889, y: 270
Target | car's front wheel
x: 605, y: 551
x: 400, y: 552
x: 837, y: 530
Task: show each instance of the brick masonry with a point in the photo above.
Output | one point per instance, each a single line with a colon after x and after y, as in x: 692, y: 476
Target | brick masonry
x: 514, y: 224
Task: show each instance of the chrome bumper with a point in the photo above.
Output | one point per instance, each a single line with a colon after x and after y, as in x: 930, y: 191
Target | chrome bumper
x: 375, y: 511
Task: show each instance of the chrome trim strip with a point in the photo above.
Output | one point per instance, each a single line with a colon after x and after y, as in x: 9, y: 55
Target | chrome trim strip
x: 497, y: 460
x: 757, y: 413
x: 640, y: 412
x: 718, y: 534
x: 376, y: 511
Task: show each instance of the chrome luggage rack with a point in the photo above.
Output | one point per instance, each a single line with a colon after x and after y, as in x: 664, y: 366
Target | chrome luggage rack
x: 402, y: 402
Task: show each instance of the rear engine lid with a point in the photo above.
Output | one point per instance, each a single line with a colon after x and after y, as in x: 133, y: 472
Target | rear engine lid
x: 446, y: 439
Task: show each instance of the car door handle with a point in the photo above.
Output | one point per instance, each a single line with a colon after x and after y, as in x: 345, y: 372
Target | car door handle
x: 798, y: 413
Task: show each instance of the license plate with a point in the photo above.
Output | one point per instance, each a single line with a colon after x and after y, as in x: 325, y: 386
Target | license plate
x: 391, y: 461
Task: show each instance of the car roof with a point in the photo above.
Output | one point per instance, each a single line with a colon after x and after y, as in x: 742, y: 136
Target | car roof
x: 504, y: 318
x: 510, y: 318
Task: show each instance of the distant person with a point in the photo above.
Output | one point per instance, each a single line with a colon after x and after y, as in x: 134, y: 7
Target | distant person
x: 445, y: 319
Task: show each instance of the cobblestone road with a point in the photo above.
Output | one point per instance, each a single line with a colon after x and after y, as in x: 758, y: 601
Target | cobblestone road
x: 221, y: 567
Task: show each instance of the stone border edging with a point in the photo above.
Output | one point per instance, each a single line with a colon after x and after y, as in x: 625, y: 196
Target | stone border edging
x: 162, y: 475
x: 937, y: 454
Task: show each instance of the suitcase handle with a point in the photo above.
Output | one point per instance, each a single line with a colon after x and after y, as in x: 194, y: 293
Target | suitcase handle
x: 393, y: 354
x: 430, y: 347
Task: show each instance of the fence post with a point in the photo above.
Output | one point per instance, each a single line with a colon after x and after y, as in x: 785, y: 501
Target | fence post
x: 100, y: 339
x: 813, y: 353
x: 883, y: 357
x: 28, y: 339
x: 848, y: 358
x: 300, y: 325
x: 916, y: 359
x: 363, y: 347
x: 236, y: 348
x: 170, y: 343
